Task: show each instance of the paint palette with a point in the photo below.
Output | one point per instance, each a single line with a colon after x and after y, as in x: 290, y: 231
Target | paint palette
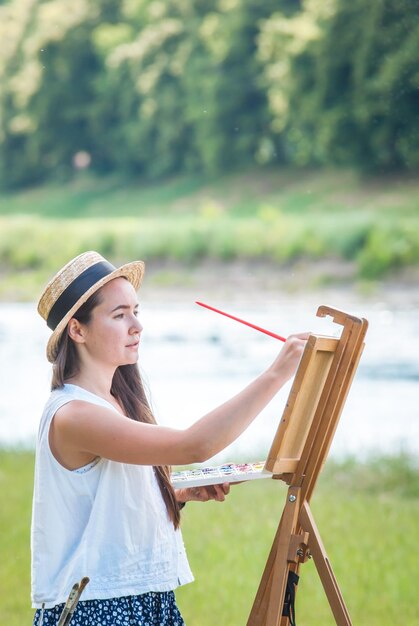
x: 228, y: 473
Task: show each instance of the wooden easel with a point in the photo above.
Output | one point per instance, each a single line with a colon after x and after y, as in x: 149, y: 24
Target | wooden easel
x: 297, y: 455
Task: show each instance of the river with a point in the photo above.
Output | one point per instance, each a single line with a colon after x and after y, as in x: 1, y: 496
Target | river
x: 193, y: 359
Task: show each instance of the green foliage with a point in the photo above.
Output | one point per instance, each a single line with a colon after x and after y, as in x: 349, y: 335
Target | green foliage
x: 391, y: 247
x: 157, y: 88
x: 186, y: 87
x: 377, y: 476
x: 151, y: 87
x: 367, y: 229
x: 343, y: 82
x: 45, y: 92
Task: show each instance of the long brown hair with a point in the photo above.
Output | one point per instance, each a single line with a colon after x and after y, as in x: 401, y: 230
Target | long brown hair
x: 128, y: 389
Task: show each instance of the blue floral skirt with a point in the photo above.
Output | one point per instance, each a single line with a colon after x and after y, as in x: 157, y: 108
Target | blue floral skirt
x: 149, y: 609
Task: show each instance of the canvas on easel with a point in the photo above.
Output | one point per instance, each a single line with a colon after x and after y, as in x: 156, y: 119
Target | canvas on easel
x: 297, y: 455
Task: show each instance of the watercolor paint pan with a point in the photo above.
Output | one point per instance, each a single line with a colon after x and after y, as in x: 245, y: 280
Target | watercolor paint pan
x: 226, y: 473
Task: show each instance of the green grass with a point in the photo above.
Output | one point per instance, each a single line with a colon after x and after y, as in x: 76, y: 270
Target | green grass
x: 16, y: 482
x: 367, y: 531
x: 366, y: 513
x: 274, y: 216
x: 288, y: 191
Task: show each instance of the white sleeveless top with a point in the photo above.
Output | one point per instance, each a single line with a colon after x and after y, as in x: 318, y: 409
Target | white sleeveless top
x: 107, y: 521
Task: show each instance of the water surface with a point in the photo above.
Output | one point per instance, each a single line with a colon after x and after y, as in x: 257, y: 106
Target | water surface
x: 193, y: 360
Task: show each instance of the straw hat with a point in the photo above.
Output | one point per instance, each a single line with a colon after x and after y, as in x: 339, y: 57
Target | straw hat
x: 73, y: 285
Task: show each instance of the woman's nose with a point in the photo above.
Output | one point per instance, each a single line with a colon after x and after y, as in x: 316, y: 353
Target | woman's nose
x: 137, y: 326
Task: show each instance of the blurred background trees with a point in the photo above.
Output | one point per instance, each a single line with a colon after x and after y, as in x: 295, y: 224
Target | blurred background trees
x: 153, y: 88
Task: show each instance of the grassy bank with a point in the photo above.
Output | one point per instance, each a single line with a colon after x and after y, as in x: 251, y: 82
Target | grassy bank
x: 366, y: 514
x: 371, y: 228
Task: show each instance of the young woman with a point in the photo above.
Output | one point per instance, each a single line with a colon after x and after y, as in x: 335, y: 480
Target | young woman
x: 103, y: 503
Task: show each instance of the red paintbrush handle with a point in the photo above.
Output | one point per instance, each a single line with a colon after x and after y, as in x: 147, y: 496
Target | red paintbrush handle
x: 237, y: 319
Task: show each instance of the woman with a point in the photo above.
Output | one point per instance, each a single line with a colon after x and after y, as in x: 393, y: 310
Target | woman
x: 103, y: 503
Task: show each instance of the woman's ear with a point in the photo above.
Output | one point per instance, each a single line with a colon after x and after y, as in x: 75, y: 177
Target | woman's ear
x: 75, y: 330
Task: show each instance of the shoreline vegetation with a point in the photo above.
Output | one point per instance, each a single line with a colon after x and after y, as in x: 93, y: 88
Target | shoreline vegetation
x: 364, y: 510
x: 287, y: 228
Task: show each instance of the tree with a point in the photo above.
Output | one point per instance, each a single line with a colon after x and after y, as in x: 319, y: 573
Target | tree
x: 45, y: 81
x: 343, y: 82
x: 186, y: 87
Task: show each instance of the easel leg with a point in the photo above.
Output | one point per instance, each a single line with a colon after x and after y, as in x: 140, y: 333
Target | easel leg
x: 269, y: 601
x: 327, y: 577
x: 260, y: 604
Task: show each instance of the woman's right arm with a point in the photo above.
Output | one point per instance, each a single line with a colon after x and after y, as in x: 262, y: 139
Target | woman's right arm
x: 82, y: 430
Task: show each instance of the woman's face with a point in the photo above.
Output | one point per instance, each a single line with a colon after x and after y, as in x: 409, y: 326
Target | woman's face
x: 113, y: 334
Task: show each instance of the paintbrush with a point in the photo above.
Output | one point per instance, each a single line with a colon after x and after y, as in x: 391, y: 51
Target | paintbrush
x: 76, y: 598
x: 41, y: 619
x: 72, y: 601
x: 66, y: 610
x: 238, y: 319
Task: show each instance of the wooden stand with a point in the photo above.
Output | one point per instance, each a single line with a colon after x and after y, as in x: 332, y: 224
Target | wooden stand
x: 297, y: 455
